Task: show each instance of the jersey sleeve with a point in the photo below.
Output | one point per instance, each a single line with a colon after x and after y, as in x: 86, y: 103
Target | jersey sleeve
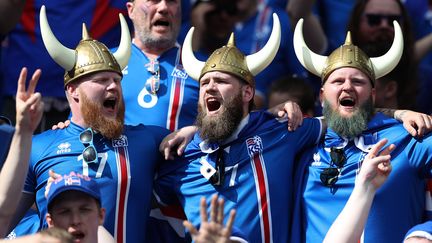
x: 308, y: 134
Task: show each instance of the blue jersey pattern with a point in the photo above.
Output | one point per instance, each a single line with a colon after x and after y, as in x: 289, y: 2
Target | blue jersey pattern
x: 124, y: 172
x: 175, y: 103
x: 398, y: 205
x: 258, y: 176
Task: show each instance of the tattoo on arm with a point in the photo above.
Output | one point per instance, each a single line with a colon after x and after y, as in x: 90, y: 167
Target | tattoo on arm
x: 386, y: 111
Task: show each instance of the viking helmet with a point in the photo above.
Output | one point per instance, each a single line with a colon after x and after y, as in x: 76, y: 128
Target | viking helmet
x: 90, y: 55
x: 231, y: 60
x: 348, y: 55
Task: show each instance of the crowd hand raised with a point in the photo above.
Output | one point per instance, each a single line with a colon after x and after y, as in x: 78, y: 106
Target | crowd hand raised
x: 376, y: 166
x: 417, y: 124
x: 290, y: 110
x: 61, y: 125
x: 213, y: 230
x: 175, y: 143
x: 29, y: 104
x: 52, y: 177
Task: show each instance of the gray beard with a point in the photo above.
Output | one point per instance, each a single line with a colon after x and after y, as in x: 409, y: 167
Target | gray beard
x: 352, y: 126
x: 217, y: 129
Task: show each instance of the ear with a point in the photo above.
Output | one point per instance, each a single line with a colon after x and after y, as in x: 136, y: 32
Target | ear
x: 130, y: 8
x: 248, y: 93
x: 321, y: 96
x: 101, y: 216
x: 72, y: 91
x: 49, y: 220
x: 391, y: 89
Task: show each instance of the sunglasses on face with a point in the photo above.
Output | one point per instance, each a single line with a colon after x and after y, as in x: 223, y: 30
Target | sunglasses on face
x: 329, y: 176
x: 376, y: 19
x: 89, y: 153
x: 218, y: 177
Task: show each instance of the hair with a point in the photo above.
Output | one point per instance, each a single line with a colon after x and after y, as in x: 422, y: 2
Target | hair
x: 407, y: 68
x: 59, y: 234
x: 297, y: 87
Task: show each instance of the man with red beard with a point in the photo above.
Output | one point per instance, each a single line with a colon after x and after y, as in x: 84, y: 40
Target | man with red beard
x: 327, y: 172
x: 120, y: 159
x: 245, y: 157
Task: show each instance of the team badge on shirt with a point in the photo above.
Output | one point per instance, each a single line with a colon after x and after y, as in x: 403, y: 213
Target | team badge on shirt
x: 120, y: 142
x: 254, y: 145
x: 64, y: 148
x: 179, y: 72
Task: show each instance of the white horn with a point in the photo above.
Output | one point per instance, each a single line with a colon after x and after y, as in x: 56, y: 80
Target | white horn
x: 258, y: 61
x: 191, y: 65
x: 62, y: 55
x: 313, y: 62
x: 385, y: 63
x: 124, y: 50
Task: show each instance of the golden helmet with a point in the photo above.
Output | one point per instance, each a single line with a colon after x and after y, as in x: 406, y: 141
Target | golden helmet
x: 348, y: 55
x: 90, y: 55
x: 230, y: 59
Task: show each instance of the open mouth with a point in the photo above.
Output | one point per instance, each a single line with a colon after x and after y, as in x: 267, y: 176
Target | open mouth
x: 78, y: 236
x: 161, y: 23
x: 213, y: 104
x: 347, y: 102
x: 110, y: 103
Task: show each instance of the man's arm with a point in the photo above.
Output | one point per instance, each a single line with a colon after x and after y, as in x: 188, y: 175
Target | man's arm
x: 12, y: 176
x: 417, y: 124
x: 374, y: 171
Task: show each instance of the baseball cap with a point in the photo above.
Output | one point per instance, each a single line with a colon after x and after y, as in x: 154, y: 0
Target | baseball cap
x: 74, y: 182
x: 423, y: 230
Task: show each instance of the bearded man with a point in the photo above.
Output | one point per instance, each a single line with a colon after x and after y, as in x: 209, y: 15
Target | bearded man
x: 328, y: 171
x: 245, y: 157
x: 121, y: 159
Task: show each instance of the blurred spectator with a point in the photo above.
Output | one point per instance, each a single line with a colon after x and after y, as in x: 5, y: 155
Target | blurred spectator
x: 294, y: 89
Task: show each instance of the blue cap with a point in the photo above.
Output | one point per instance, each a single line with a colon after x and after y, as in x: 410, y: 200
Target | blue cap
x: 423, y: 230
x: 74, y: 182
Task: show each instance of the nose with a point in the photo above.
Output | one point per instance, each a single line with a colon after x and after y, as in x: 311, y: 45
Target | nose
x: 211, y: 86
x: 76, y: 218
x: 163, y: 6
x: 347, y: 85
x: 113, y: 84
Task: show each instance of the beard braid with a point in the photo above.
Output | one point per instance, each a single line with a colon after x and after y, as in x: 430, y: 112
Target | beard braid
x: 221, y: 127
x: 349, y: 127
x: 92, y: 114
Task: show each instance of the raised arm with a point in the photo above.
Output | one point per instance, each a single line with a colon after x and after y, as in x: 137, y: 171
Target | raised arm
x: 28, y: 114
x: 374, y: 171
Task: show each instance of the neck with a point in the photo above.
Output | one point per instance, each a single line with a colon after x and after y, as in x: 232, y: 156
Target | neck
x: 152, y: 52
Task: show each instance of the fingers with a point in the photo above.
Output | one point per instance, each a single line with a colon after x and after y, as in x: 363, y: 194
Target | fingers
x: 21, y: 81
x: 203, y: 210
x: 188, y: 225
x: 230, y: 221
x: 213, y: 208
x: 220, y: 211
x: 410, y: 128
x: 33, y: 81
x: 295, y: 116
x: 376, y: 148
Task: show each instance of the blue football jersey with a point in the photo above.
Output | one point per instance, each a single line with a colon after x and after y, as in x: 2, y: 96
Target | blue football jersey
x: 258, y: 175
x: 173, y: 105
x: 124, y: 172
x: 398, y: 205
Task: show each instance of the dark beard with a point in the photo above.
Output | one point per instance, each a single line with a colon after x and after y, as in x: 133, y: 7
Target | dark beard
x: 221, y: 127
x: 92, y: 114
x: 349, y: 127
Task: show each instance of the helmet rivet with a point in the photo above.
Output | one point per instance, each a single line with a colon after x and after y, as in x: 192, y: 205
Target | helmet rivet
x: 213, y: 65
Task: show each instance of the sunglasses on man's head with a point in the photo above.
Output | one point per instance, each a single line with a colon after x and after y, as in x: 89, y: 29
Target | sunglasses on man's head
x: 89, y: 153
x: 375, y: 19
x: 329, y: 176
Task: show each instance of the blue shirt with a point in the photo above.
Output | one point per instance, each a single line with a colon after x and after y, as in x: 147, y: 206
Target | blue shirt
x: 259, y: 163
x: 398, y: 205
x: 175, y: 103
x: 124, y: 172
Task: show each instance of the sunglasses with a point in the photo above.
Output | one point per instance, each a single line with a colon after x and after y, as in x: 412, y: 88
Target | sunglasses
x: 89, y: 153
x: 329, y: 176
x: 376, y: 19
x: 218, y: 177
x: 153, y: 83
